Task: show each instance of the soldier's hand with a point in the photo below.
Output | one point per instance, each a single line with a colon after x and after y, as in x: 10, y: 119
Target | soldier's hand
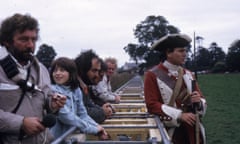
x: 195, y: 97
x: 188, y: 118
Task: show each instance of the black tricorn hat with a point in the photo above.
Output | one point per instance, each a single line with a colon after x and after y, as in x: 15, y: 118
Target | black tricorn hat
x: 171, y: 41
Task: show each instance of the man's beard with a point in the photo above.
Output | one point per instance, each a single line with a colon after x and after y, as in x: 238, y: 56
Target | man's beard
x: 88, y: 81
x: 22, y: 56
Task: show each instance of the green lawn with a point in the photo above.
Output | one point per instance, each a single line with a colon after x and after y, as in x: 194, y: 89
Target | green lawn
x: 222, y: 120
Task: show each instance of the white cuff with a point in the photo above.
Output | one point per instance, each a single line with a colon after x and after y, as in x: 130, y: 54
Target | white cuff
x: 204, y: 107
x: 174, y: 113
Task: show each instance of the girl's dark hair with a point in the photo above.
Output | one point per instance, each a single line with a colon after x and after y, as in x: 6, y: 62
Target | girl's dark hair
x: 16, y: 23
x: 70, y: 66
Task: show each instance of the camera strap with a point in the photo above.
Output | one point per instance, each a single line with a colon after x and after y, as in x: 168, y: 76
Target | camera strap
x: 9, y: 67
x: 22, y: 84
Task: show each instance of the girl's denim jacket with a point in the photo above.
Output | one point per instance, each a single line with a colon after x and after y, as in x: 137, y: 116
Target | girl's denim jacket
x: 73, y: 113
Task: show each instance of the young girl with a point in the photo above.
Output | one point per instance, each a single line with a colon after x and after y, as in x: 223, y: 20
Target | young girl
x: 64, y: 79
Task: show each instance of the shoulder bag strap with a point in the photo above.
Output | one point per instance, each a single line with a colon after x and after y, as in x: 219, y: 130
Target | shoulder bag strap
x: 177, y: 87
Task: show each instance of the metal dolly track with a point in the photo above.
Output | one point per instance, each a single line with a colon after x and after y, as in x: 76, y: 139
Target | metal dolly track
x: 132, y: 107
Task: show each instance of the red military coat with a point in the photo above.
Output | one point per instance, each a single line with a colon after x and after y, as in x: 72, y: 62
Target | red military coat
x: 158, y: 91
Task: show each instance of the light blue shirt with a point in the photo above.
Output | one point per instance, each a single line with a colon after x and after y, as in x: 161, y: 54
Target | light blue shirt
x: 73, y: 113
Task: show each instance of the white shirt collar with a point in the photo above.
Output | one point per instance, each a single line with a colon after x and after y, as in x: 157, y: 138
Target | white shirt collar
x: 172, y: 69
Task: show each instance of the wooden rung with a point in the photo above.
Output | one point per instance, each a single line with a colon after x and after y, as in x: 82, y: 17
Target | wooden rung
x: 129, y: 105
x: 134, y: 87
x: 132, y: 90
x: 132, y: 98
x: 130, y: 113
x: 125, y: 121
x: 130, y: 94
x: 151, y: 120
x: 132, y: 101
x: 129, y: 126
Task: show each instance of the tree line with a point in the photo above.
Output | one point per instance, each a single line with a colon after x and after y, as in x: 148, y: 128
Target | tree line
x: 202, y: 59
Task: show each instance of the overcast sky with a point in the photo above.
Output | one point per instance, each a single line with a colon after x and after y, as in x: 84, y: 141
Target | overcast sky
x: 106, y: 26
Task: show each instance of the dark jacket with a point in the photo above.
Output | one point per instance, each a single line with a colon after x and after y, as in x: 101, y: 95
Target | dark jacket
x: 94, y: 111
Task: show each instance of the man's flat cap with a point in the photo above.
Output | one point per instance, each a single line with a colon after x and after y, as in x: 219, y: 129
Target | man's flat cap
x: 171, y: 41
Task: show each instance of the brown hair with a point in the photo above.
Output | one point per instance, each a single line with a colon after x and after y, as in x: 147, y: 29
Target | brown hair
x: 111, y: 60
x: 70, y: 66
x: 17, y: 22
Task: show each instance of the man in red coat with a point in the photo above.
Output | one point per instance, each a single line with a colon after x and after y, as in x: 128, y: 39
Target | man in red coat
x: 172, y: 93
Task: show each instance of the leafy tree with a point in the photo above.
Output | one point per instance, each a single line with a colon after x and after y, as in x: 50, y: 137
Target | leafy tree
x: 233, y: 56
x: 46, y: 54
x: 202, y: 59
x: 136, y: 52
x: 152, y: 29
x: 216, y: 54
x: 191, y: 62
x: 152, y: 58
x: 199, y: 40
x: 147, y: 32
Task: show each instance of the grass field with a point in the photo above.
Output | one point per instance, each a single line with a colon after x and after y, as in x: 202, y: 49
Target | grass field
x: 222, y: 120
x: 222, y: 92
